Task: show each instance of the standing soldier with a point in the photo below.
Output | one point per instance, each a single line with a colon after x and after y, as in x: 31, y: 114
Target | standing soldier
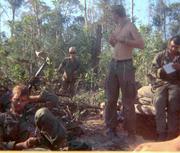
x: 69, y: 67
x: 121, y: 74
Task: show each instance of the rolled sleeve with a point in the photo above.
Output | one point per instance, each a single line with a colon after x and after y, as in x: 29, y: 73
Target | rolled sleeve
x: 10, y: 145
x: 46, y: 96
x: 160, y: 73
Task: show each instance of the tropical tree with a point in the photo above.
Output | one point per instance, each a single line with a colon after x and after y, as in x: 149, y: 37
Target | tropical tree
x: 14, y: 5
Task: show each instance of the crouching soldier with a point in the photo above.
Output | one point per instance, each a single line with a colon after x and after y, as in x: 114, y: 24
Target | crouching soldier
x: 16, y: 132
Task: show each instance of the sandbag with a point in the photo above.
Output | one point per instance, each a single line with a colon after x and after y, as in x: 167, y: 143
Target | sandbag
x: 145, y: 109
x: 145, y: 91
x: 145, y: 101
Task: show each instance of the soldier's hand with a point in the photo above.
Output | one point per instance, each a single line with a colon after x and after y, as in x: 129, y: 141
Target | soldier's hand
x: 112, y: 39
x: 176, y: 66
x: 31, y: 142
x: 75, y: 72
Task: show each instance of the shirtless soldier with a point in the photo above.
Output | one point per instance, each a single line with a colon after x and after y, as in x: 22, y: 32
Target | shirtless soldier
x: 121, y: 74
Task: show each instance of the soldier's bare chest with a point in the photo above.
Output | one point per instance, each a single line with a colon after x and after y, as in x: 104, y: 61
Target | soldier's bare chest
x: 122, y: 30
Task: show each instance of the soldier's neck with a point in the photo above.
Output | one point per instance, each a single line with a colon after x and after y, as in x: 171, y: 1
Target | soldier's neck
x: 72, y: 58
x: 121, y: 21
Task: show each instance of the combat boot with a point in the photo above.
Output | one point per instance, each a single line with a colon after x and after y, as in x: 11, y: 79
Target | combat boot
x: 111, y: 132
x: 130, y: 139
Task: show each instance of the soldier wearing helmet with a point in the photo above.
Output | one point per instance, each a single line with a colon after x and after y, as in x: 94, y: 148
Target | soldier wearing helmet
x: 69, y: 67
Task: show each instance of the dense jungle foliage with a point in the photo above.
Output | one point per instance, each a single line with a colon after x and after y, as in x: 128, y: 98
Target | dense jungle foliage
x: 36, y: 26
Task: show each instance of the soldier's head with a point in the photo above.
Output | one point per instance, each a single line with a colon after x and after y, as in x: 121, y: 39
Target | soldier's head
x: 20, y: 98
x: 118, y: 11
x: 72, y: 50
x: 174, y: 44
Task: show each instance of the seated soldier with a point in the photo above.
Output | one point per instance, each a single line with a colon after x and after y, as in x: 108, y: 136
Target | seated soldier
x: 167, y: 93
x: 15, y: 131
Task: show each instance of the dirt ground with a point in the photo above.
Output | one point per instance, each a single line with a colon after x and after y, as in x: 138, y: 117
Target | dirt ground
x: 94, y: 134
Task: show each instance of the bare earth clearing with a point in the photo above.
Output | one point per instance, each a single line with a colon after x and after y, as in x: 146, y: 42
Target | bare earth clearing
x: 94, y: 133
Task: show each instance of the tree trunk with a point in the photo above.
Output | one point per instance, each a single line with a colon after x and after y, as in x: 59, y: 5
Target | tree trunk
x: 85, y: 14
x: 92, y: 12
x: 150, y: 12
x: 97, y: 48
x: 38, y: 24
x: 12, y: 23
x: 132, y: 11
x: 164, y: 12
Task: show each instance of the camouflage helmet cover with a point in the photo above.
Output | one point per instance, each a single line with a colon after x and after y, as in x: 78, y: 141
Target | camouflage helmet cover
x: 72, y: 50
x: 49, y: 125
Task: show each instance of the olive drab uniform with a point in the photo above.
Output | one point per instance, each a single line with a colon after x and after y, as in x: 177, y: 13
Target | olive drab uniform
x: 5, y: 101
x: 167, y: 94
x: 68, y: 77
x: 121, y: 75
x: 15, y: 128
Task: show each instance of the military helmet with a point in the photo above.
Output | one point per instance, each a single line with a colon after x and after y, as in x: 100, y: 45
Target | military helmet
x: 49, y: 126
x: 72, y: 50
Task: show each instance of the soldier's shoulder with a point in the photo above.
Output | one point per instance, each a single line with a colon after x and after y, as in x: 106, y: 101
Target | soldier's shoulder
x: 78, y: 61
x: 161, y: 53
x: 67, y: 58
x: 3, y: 116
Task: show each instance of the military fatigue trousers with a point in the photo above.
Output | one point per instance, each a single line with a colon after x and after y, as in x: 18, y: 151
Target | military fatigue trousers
x: 121, y: 75
x: 68, y: 85
x: 168, y: 97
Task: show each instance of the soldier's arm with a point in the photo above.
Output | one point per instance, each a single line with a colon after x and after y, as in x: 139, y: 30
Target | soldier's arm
x: 34, y: 99
x: 29, y: 143
x: 43, y: 97
x: 112, y: 40
x: 136, y: 42
x: 61, y: 66
x: 19, y: 146
x: 4, y: 145
x: 77, y: 68
x: 157, y: 69
x: 176, y: 66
